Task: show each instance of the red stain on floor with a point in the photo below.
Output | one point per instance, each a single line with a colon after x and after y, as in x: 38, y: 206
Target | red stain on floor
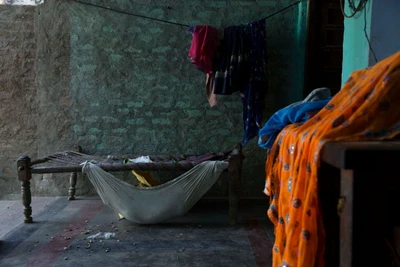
x: 260, y: 243
x: 50, y: 252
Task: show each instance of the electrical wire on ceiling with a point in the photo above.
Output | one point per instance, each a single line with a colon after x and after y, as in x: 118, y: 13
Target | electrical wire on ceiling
x: 361, y: 5
x: 170, y: 22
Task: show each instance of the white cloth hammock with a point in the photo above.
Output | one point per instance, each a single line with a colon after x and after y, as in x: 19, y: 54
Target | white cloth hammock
x: 149, y: 205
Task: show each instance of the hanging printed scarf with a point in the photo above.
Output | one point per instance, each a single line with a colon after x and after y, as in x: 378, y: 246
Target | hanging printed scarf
x: 255, y: 90
x: 241, y: 65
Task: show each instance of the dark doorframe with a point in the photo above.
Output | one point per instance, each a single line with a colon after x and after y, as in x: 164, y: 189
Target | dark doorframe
x: 324, y: 45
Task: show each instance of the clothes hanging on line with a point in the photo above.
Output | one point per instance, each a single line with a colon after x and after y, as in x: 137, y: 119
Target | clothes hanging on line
x: 239, y: 65
x: 205, y: 41
x: 212, y: 98
x: 256, y: 88
x: 231, y: 66
x: 204, y: 44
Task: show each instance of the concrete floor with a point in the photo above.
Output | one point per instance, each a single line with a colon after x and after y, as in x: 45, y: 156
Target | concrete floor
x: 60, y: 235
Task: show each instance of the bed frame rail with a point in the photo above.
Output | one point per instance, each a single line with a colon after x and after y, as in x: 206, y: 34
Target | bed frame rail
x: 26, y: 168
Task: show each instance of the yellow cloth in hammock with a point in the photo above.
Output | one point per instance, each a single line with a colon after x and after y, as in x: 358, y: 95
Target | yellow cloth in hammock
x: 145, y: 179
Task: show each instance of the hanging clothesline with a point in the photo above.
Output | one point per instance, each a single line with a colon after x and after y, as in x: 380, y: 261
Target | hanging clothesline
x: 171, y: 22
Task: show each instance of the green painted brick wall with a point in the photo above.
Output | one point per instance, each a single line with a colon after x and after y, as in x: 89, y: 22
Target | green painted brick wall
x: 118, y: 84
x: 355, y: 45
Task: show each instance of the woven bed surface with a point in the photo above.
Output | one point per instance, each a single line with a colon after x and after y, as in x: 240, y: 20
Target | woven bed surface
x: 76, y: 158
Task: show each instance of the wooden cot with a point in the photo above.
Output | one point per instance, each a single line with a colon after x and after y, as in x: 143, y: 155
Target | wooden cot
x: 56, y: 163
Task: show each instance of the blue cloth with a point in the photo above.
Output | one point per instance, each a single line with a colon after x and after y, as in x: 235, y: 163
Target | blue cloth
x: 231, y: 64
x: 241, y: 65
x: 297, y: 113
x: 254, y: 91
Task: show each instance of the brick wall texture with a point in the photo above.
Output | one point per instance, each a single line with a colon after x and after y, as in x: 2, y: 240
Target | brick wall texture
x: 18, y: 91
x: 112, y: 83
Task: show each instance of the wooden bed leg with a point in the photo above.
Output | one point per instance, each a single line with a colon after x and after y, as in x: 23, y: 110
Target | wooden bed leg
x: 233, y: 197
x: 25, y: 175
x: 235, y: 168
x: 73, y: 178
x: 72, y: 186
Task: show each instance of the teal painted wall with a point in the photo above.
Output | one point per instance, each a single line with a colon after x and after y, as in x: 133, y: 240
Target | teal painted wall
x: 382, y: 19
x: 299, y: 55
x: 355, y: 45
x: 117, y: 84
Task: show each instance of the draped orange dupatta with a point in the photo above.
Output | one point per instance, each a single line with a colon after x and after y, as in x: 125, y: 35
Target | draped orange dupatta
x: 366, y: 108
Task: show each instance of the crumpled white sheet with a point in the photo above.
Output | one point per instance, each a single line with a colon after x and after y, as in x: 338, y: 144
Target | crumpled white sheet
x: 149, y: 205
x: 141, y: 159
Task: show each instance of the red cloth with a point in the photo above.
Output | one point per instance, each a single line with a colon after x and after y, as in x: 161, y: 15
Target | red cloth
x: 203, y: 47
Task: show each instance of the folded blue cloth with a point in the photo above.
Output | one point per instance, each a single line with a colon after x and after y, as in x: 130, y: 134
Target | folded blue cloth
x: 295, y: 113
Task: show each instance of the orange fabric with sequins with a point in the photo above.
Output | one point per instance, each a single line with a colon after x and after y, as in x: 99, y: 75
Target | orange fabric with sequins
x: 366, y: 108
